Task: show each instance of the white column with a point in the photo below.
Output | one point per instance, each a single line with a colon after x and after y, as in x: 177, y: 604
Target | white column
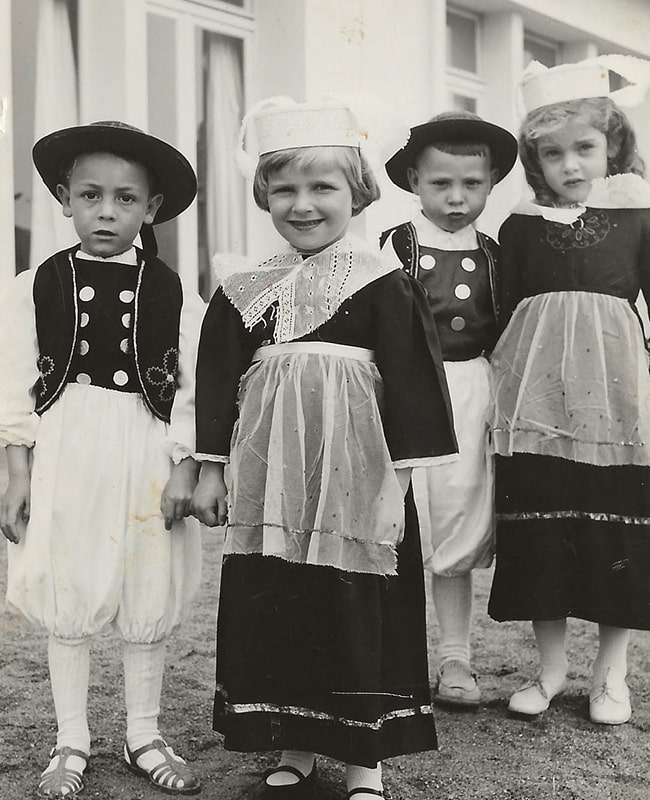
x: 113, y: 61
x: 438, y: 56
x: 186, y: 126
x: 7, y: 251
x: 577, y: 51
x: 502, y: 66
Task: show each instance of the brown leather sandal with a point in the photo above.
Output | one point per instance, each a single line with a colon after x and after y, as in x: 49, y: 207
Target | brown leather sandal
x: 62, y: 782
x: 172, y: 776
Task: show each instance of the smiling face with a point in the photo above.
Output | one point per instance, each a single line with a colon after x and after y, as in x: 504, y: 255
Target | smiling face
x: 108, y: 199
x: 311, y: 206
x: 452, y: 188
x: 571, y: 157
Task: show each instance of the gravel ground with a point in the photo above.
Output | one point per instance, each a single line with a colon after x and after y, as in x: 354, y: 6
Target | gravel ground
x: 483, y: 754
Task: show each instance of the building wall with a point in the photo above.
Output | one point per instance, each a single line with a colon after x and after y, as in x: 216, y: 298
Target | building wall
x: 303, y: 48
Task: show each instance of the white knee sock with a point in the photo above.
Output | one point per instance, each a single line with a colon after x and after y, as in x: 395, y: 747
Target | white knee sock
x: 612, y: 654
x: 143, y: 673
x: 549, y: 635
x: 452, y: 598
x: 69, y: 662
x: 357, y: 777
x: 298, y: 759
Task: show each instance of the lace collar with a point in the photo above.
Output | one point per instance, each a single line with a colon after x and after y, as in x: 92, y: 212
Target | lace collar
x: 617, y: 191
x: 308, y: 291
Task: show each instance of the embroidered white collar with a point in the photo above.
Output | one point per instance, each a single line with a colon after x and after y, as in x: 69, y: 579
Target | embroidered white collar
x: 308, y: 291
x: 617, y: 191
x: 431, y: 235
x: 128, y: 257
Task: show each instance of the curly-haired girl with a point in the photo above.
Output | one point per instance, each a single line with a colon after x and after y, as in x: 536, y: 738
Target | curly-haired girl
x: 572, y: 418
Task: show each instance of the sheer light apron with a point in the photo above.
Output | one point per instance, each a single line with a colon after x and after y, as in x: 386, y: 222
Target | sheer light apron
x: 311, y: 478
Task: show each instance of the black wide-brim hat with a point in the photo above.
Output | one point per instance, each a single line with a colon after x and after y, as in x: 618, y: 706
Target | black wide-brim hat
x: 173, y: 173
x: 454, y: 126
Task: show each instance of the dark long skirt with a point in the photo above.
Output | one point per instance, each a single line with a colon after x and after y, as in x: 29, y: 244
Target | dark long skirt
x: 313, y: 658
x: 573, y: 540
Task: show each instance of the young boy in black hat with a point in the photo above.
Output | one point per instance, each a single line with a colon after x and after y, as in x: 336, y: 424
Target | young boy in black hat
x: 451, y: 163
x: 96, y: 413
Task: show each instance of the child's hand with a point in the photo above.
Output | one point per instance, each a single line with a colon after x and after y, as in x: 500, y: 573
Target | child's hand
x: 177, y: 494
x: 210, y: 498
x: 14, y: 508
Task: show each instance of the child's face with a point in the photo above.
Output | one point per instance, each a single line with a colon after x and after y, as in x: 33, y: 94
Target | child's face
x: 108, y: 199
x: 571, y: 157
x: 453, y: 189
x: 310, y: 207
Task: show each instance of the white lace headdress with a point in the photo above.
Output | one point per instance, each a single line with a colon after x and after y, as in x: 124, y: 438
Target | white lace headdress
x: 543, y: 86
x: 280, y: 123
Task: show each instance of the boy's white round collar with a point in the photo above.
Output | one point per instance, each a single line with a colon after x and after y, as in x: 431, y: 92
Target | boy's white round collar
x: 129, y: 256
x: 432, y: 235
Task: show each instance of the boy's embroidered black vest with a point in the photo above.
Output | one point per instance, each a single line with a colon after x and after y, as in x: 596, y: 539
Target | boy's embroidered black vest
x: 157, y: 311
x: 407, y: 247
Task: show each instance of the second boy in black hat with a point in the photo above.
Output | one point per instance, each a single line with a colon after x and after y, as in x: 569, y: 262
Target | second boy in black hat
x: 451, y: 163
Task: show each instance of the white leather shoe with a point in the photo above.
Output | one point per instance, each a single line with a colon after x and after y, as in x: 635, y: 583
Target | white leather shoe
x: 609, y: 702
x: 532, y: 699
x: 457, y: 686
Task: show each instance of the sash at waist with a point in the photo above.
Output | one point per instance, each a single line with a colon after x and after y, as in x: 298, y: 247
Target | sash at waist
x: 318, y: 348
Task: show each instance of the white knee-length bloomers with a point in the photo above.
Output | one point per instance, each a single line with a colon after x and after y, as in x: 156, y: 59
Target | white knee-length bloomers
x: 455, y: 501
x: 96, y: 550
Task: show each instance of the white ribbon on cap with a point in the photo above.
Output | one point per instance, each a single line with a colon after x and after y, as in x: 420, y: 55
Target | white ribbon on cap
x: 370, y: 124
x: 541, y: 85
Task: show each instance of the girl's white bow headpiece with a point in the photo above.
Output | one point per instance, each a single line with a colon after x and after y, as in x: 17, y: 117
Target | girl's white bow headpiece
x: 543, y: 86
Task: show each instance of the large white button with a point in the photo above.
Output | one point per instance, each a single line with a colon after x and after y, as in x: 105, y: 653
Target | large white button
x: 468, y: 264
x: 457, y: 323
x: 84, y: 319
x: 127, y: 295
x: 82, y: 377
x: 462, y: 291
x: 124, y: 345
x: 86, y: 293
x: 84, y: 347
x: 120, y: 378
x: 427, y: 262
x: 126, y: 320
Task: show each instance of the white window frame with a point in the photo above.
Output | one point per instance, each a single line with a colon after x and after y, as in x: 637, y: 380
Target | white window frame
x: 460, y: 81
x: 215, y: 17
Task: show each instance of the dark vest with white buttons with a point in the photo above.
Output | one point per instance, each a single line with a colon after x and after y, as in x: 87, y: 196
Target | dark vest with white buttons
x: 156, y: 322
x: 467, y: 333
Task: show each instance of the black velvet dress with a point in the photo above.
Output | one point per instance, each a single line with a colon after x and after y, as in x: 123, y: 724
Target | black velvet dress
x: 313, y: 657
x: 572, y: 429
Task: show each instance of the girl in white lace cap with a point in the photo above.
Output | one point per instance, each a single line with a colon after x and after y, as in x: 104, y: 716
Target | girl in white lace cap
x: 316, y: 370
x: 572, y: 420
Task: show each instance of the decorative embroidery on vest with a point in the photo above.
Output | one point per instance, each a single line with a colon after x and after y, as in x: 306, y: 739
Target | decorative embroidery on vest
x: 165, y: 375
x: 45, y: 366
x: 589, y: 229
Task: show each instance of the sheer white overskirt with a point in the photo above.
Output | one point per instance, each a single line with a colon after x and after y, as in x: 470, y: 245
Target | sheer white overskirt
x: 571, y: 380
x: 311, y: 478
